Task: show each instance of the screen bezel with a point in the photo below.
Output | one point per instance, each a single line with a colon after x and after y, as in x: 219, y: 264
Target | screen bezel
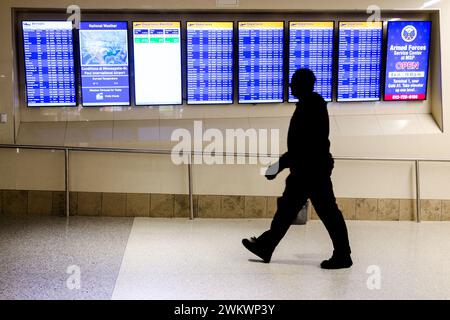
x: 68, y: 105
x: 129, y: 67
x: 338, y: 65
x: 333, y: 62
x: 233, y: 67
x: 282, y: 100
x: 134, y: 66
x: 428, y: 60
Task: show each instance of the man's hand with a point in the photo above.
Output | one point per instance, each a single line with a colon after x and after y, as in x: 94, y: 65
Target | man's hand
x: 273, y: 171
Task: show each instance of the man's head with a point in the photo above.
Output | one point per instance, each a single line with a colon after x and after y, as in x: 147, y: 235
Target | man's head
x: 302, y: 82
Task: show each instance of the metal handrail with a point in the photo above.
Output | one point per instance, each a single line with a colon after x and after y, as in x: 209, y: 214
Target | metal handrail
x: 193, y: 152
x: 120, y: 150
x: 68, y: 149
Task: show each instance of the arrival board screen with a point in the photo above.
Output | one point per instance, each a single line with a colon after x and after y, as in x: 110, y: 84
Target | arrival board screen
x: 157, y: 63
x: 261, y: 62
x: 360, y: 45
x: 104, y: 63
x: 408, y: 51
x: 210, y: 62
x: 49, y: 63
x: 311, y: 47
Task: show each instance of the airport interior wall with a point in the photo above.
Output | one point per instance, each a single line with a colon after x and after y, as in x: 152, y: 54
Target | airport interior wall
x: 416, y: 130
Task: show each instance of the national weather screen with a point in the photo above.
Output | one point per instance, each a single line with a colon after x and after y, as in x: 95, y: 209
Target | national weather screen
x: 261, y: 62
x: 408, y: 51
x: 157, y: 63
x: 49, y: 63
x: 360, y: 45
x: 311, y: 47
x: 104, y: 63
x: 210, y: 62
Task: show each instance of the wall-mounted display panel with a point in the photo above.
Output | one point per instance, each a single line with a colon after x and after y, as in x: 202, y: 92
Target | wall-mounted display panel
x: 157, y: 63
x: 261, y: 55
x: 359, y: 66
x: 210, y: 62
x: 311, y: 47
x: 49, y: 63
x: 104, y: 63
x: 407, y: 60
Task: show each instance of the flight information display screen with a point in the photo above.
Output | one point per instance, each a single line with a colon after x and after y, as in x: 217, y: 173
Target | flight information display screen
x: 157, y: 63
x: 104, y: 63
x: 261, y: 62
x: 210, y: 62
x: 311, y: 47
x: 408, y: 51
x: 49, y: 63
x: 360, y: 45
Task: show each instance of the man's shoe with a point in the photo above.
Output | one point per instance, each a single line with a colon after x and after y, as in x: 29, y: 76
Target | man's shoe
x: 258, y: 249
x: 337, y: 262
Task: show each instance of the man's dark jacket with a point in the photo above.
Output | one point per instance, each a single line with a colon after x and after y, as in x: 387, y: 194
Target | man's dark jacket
x: 308, y: 143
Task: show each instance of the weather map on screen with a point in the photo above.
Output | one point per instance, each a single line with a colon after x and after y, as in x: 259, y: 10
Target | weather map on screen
x: 210, y: 62
x: 261, y: 62
x: 104, y: 63
x: 311, y: 47
x: 157, y: 63
x: 49, y: 63
x: 408, y: 51
x: 360, y: 45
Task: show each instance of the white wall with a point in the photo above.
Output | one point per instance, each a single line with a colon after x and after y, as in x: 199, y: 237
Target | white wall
x: 31, y: 170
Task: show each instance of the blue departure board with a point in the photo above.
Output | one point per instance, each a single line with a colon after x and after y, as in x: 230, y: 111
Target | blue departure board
x: 104, y: 63
x: 360, y: 45
x: 311, y: 47
x: 210, y: 62
x: 408, y: 53
x: 261, y: 62
x: 49, y: 63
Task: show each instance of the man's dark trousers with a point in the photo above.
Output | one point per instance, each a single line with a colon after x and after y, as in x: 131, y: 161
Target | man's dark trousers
x: 314, y: 184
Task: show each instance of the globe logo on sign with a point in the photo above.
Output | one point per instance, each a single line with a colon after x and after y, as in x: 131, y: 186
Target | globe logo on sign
x: 409, y: 33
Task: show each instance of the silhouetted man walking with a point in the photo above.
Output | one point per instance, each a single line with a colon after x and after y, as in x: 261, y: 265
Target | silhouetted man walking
x: 311, y: 165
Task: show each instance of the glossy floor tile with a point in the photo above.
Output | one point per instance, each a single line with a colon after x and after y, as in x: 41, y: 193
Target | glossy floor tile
x: 204, y: 259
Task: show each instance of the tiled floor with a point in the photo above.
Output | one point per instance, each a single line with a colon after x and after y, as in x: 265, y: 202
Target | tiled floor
x: 37, y: 253
x: 204, y: 259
